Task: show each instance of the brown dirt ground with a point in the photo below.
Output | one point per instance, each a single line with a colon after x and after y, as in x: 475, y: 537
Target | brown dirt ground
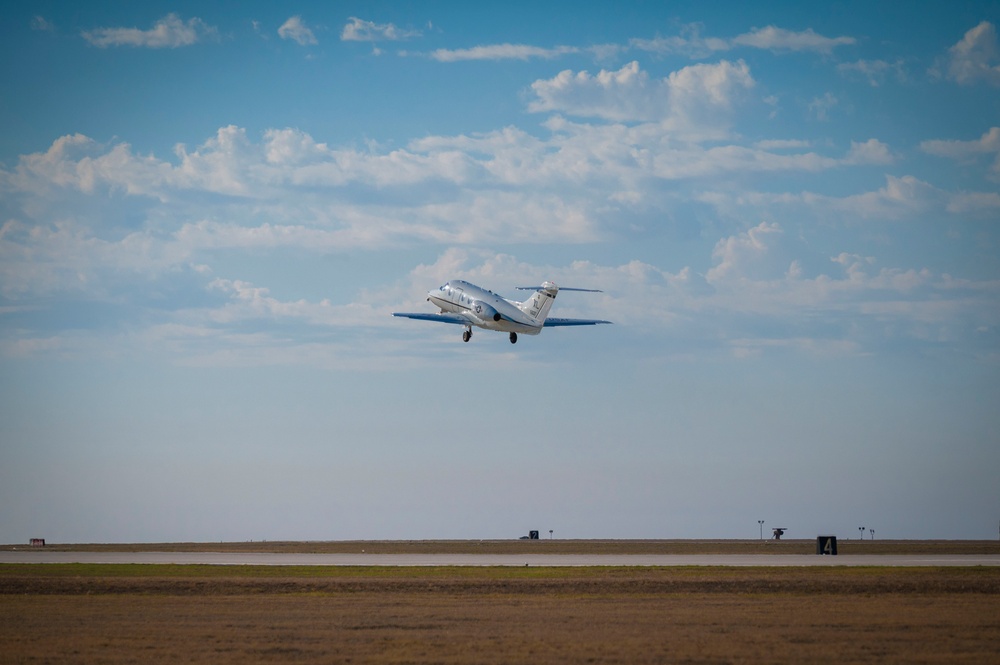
x: 173, y: 614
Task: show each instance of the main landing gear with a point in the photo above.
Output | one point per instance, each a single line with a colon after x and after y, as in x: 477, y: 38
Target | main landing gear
x: 467, y: 335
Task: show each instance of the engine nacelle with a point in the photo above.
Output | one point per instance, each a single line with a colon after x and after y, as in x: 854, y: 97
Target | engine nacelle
x: 485, y: 312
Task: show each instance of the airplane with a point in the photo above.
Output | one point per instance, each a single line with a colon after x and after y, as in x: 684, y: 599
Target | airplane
x: 470, y: 305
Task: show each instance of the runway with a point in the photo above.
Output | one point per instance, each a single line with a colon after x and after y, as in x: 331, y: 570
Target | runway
x: 544, y: 560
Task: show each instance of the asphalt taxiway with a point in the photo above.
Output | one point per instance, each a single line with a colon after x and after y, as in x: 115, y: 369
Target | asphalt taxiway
x: 556, y: 560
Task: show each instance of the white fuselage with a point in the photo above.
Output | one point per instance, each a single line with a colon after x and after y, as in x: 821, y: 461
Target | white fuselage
x: 484, y: 308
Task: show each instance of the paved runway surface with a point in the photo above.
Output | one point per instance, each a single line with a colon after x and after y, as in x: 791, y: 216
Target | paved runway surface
x: 361, y: 559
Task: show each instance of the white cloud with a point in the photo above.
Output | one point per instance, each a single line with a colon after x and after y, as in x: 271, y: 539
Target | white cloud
x: 975, y: 58
x: 501, y: 52
x: 821, y: 106
x: 288, y: 190
x: 250, y: 302
x: 39, y: 260
x: 357, y: 30
x: 693, y: 96
x: 169, y: 32
x: 692, y: 44
x: 779, y: 39
x: 904, y: 197
x: 752, y: 298
x: 697, y: 162
x: 622, y: 95
x: 871, y: 151
x: 746, y: 256
x: 297, y: 30
x: 987, y: 144
x: 71, y: 214
x: 856, y: 305
x: 284, y: 191
x: 689, y: 42
x: 289, y: 168
x: 975, y: 203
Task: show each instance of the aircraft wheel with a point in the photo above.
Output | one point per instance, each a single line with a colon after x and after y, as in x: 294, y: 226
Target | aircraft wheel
x: 467, y: 335
x: 513, y: 338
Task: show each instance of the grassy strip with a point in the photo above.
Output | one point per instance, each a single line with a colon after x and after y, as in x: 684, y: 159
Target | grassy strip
x: 141, y: 570
x: 157, y: 579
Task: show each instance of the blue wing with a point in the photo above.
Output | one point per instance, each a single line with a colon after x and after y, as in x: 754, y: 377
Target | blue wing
x: 551, y: 322
x: 440, y: 318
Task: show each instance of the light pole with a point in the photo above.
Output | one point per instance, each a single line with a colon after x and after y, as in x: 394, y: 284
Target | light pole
x: 761, y: 523
x: 862, y: 530
x: 550, y: 534
x: 872, y: 532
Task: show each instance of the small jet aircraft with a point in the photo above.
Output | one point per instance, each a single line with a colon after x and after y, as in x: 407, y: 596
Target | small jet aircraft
x: 470, y: 305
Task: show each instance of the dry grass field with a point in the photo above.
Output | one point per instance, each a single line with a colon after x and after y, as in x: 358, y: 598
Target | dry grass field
x: 246, y: 614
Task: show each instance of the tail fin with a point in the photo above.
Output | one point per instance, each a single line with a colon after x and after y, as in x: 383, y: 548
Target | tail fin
x: 539, y: 304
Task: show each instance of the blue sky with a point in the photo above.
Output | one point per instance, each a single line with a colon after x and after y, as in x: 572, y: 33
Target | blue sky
x: 208, y: 212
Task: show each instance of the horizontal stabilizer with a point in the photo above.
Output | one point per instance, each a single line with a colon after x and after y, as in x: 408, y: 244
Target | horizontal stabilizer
x: 561, y: 288
x: 551, y: 322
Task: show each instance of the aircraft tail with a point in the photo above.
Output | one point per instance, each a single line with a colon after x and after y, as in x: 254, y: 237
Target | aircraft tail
x: 539, y: 304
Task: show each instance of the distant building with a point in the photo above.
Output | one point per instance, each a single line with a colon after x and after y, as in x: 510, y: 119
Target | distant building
x: 37, y: 542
